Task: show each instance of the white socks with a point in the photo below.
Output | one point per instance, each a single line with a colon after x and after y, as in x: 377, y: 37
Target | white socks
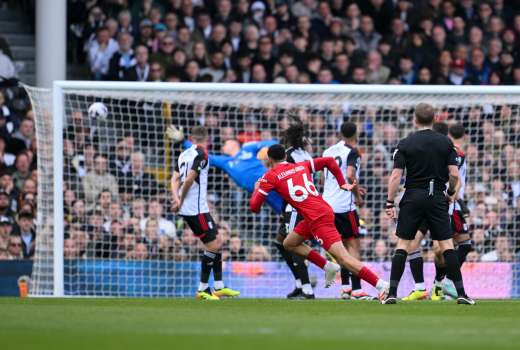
x: 307, y: 288
x: 218, y: 285
x: 298, y: 283
x: 330, y: 266
x: 202, y: 286
x: 420, y: 286
x: 382, y: 285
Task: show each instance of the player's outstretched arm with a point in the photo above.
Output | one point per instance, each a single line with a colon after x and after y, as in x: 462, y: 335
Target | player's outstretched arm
x: 218, y: 161
x: 262, y: 189
x: 321, y: 163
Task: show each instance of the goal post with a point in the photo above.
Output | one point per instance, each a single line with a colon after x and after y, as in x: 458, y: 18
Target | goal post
x: 75, y: 258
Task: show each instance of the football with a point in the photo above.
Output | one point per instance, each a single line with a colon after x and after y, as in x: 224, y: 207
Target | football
x: 98, y: 110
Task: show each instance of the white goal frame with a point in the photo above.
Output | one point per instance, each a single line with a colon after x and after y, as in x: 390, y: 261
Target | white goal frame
x: 61, y: 87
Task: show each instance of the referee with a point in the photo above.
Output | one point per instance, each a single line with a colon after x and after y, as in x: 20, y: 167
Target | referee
x: 430, y: 162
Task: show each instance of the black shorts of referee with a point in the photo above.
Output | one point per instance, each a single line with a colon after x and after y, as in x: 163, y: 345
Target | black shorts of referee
x: 416, y: 207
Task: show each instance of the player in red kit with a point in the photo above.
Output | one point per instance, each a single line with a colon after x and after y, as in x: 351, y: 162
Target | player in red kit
x: 293, y: 182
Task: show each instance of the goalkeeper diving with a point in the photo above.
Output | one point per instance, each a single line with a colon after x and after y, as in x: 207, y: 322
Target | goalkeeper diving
x: 241, y: 162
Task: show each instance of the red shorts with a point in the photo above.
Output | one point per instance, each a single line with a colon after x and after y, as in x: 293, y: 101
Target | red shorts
x: 458, y: 223
x: 323, y: 230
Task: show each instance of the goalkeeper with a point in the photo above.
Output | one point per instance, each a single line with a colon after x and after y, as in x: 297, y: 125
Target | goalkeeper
x: 242, y: 163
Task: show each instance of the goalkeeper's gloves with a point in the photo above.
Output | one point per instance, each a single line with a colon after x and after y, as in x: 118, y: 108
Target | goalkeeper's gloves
x: 175, y: 134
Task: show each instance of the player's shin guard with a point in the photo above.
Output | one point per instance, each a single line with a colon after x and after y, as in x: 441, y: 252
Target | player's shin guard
x: 356, y: 283
x: 301, y: 269
x: 398, y: 264
x: 217, y: 271
x: 416, y: 262
x: 345, y: 277
x: 453, y: 270
x: 440, y: 272
x: 463, y: 250
x: 288, y: 258
x: 206, y: 265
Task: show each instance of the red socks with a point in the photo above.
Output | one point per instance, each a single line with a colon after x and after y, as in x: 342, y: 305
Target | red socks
x: 315, y: 258
x: 368, y: 275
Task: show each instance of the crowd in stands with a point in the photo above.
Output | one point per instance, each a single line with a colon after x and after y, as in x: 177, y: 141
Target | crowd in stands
x: 18, y: 174
x: 116, y: 209
x: 306, y: 41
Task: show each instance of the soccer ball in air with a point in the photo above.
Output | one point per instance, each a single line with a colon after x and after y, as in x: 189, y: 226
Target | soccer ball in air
x: 98, y: 110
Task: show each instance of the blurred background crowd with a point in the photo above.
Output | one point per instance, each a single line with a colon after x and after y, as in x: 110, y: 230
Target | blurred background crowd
x: 117, y: 205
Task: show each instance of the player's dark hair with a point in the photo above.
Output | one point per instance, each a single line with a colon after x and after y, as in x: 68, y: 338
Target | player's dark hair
x: 294, y: 136
x: 424, y: 114
x: 441, y: 128
x: 348, y: 129
x: 199, y: 133
x: 276, y: 152
x: 457, y: 131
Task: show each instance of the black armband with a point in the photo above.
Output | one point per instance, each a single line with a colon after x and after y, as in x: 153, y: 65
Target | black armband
x: 450, y: 193
x: 389, y: 204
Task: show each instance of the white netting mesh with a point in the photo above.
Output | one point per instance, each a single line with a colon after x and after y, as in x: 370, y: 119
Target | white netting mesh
x: 41, y: 101
x: 122, y: 239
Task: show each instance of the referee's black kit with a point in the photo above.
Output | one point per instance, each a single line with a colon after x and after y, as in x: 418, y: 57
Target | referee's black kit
x: 426, y: 155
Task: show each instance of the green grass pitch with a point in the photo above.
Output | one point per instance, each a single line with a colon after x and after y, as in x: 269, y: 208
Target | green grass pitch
x: 255, y: 324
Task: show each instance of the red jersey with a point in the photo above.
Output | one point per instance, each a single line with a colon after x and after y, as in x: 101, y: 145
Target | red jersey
x: 293, y: 182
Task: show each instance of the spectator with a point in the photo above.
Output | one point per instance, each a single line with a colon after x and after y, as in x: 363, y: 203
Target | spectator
x: 100, y: 52
x: 236, y: 251
x: 502, y: 251
x: 365, y: 37
x: 7, y: 69
x: 140, y: 252
x: 380, y: 250
x: 14, y: 248
x: 23, y: 137
x: 98, y: 180
x: 23, y: 170
x: 123, y: 59
x: 138, y: 182
x: 258, y: 252
x: 377, y: 73
x: 406, y: 74
x: 7, y: 159
x: 146, y: 34
x: 478, y: 69
x: 141, y: 70
x: 155, y: 211
x: 27, y: 233
x: 156, y: 72
x: 70, y: 249
x: 216, y: 68
x: 165, y: 53
x: 6, y: 229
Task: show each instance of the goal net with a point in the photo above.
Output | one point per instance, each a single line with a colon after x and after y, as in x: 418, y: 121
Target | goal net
x: 105, y: 227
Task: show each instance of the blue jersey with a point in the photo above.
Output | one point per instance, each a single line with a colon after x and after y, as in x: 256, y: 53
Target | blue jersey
x: 245, y: 168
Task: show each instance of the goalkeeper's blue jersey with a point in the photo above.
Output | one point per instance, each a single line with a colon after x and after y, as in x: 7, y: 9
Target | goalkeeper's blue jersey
x: 245, y: 169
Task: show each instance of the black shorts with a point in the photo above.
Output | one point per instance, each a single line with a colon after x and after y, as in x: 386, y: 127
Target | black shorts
x: 203, y: 227
x: 347, y: 224
x: 458, y: 223
x: 290, y: 220
x: 424, y: 227
x: 417, y: 206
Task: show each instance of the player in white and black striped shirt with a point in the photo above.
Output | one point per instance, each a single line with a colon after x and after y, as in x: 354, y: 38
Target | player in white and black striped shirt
x: 296, y: 143
x: 189, y: 199
x: 345, y: 203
